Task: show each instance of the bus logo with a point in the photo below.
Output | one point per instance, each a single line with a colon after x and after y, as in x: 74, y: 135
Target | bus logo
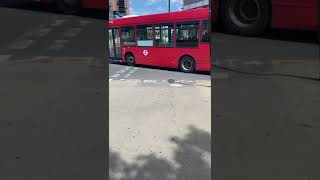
x: 145, y: 52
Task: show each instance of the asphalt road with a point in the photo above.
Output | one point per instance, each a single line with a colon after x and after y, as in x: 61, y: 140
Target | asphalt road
x: 32, y: 31
x: 53, y: 103
x: 155, y: 76
x: 265, y: 113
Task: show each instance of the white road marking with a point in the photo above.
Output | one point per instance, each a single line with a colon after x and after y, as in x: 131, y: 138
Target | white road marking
x: 37, y: 58
x: 257, y: 63
x: 122, y: 79
x: 115, y: 75
x: 175, y: 85
x: 58, y: 22
x: 25, y: 40
x: 72, y: 32
x: 120, y: 71
x: 231, y: 61
x: 22, y: 44
x: 5, y: 57
x: 43, y: 32
x: 58, y: 44
x: 84, y: 22
x: 33, y: 32
x: 150, y: 81
x: 179, y: 81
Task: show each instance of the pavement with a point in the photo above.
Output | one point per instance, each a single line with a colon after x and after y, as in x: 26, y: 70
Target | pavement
x: 159, y: 123
x: 265, y: 113
x: 159, y: 131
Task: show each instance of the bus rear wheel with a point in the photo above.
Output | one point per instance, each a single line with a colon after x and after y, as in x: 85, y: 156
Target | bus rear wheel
x: 130, y: 60
x: 69, y: 6
x: 187, y: 64
x: 245, y: 17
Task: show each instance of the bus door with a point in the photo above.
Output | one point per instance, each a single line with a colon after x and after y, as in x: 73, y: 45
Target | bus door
x: 144, y: 54
x: 114, y: 44
x: 164, y: 44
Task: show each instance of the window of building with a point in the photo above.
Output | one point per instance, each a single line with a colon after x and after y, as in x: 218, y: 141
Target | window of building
x: 127, y: 34
x: 187, y: 34
x: 144, y: 35
x: 205, y: 32
x: 164, y: 35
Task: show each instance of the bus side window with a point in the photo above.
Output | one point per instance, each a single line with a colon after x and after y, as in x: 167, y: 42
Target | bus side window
x: 205, y: 34
x: 164, y: 35
x: 144, y: 35
x: 187, y: 34
x: 127, y: 34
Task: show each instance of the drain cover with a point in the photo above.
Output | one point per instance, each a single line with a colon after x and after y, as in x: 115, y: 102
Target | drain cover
x: 170, y: 81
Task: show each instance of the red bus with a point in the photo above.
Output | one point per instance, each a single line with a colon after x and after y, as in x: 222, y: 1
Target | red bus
x: 174, y: 40
x: 253, y: 17
x: 73, y: 6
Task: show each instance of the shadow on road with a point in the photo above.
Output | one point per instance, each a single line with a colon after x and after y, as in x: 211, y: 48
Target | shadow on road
x: 52, y: 121
x: 189, y: 155
x: 49, y: 8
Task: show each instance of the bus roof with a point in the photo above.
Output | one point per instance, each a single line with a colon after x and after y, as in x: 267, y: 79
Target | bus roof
x: 192, y: 14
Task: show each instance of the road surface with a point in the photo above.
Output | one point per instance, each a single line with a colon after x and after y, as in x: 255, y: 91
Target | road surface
x: 159, y: 123
x: 53, y: 103
x: 265, y: 114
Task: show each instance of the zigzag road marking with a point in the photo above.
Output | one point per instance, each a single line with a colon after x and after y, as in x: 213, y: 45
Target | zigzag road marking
x: 5, y: 58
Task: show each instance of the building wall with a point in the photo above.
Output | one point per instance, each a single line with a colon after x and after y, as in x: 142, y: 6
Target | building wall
x: 191, y: 4
x: 119, y: 6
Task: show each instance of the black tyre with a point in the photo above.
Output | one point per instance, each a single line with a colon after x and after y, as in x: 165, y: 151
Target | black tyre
x: 245, y: 17
x: 130, y: 60
x: 69, y: 6
x: 187, y: 64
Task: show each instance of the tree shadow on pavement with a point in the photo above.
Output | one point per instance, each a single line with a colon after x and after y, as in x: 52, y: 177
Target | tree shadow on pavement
x: 193, y: 156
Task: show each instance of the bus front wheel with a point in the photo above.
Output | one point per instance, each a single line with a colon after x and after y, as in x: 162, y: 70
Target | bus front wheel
x: 187, y: 64
x: 69, y: 6
x: 130, y: 60
x: 245, y: 17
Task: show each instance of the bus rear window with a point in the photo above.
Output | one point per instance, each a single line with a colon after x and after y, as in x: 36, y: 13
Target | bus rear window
x: 187, y: 34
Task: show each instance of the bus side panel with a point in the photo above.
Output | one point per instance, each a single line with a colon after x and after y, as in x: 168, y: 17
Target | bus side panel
x: 203, y: 63
x: 164, y: 57
x: 138, y: 54
x: 295, y: 14
x: 95, y: 4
